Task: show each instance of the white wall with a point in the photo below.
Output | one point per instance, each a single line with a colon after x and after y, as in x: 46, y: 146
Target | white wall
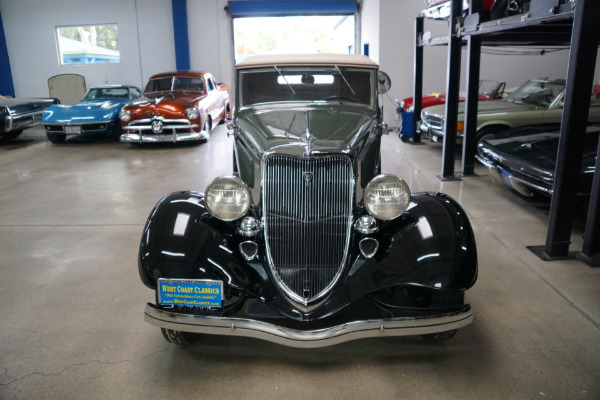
x: 211, y: 41
x: 30, y: 29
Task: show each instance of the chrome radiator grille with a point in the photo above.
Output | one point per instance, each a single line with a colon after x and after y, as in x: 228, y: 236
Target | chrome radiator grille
x: 307, y: 206
x: 433, y: 120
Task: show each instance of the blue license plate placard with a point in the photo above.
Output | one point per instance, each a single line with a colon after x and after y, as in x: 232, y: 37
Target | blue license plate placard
x: 505, y: 176
x: 190, y: 292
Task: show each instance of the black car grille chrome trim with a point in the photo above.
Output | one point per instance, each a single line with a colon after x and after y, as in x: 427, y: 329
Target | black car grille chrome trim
x: 307, y: 211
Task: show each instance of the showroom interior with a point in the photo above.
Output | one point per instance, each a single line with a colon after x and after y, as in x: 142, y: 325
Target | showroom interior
x: 73, y: 214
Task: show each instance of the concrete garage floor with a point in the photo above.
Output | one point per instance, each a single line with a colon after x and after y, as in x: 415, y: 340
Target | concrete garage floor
x: 71, y: 302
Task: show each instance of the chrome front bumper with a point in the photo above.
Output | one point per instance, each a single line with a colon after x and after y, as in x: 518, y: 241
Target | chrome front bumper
x: 308, y: 338
x: 163, y: 137
x: 23, y: 121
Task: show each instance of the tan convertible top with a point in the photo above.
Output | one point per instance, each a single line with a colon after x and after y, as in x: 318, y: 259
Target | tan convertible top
x: 282, y: 60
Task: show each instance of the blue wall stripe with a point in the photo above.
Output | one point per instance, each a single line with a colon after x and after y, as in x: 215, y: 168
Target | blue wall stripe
x: 6, y: 82
x: 180, y: 33
x: 251, y: 8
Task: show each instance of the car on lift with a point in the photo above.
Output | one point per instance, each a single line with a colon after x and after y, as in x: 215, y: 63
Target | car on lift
x: 536, y: 101
x: 176, y: 107
x: 306, y: 243
x: 495, y: 9
x: 96, y: 114
x: 17, y: 114
x: 488, y: 90
x: 524, y: 159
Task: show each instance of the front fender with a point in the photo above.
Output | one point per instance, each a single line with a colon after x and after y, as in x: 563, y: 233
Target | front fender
x: 431, y: 245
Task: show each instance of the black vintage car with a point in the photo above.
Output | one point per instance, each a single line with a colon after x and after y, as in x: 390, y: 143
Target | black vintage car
x: 524, y: 159
x: 306, y: 243
x: 21, y: 113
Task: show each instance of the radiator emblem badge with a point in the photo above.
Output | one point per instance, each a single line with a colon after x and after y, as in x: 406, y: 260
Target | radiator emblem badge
x: 308, y: 177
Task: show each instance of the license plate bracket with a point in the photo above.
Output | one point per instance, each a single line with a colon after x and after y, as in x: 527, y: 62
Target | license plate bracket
x: 73, y: 129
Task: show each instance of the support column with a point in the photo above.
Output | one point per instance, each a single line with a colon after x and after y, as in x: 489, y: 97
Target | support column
x: 418, y: 79
x: 580, y: 75
x: 452, y: 89
x: 180, y: 35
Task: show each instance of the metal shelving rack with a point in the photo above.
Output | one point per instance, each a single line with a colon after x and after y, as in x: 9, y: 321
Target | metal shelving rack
x: 548, y: 23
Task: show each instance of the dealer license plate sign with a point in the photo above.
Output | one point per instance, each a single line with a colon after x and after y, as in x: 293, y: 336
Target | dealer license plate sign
x: 74, y: 130
x: 190, y: 292
x: 505, y: 176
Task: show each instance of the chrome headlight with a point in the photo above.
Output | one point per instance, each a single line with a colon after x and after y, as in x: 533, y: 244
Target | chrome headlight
x: 124, y: 115
x: 227, y: 198
x: 386, y: 197
x: 192, y: 113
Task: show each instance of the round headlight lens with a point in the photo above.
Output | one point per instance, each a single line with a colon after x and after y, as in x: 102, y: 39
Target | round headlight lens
x: 386, y: 197
x: 227, y: 198
x: 192, y: 113
x: 124, y: 115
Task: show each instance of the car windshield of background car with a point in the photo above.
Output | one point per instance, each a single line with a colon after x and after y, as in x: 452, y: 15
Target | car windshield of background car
x: 107, y: 93
x: 537, y: 93
x: 331, y: 84
x: 175, y: 84
x: 488, y: 88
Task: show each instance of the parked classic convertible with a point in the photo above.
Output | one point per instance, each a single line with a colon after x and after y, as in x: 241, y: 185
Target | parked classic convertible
x: 176, y: 106
x: 488, y: 90
x: 534, y: 102
x: 524, y: 159
x: 97, y: 113
x: 307, y: 244
x: 21, y: 113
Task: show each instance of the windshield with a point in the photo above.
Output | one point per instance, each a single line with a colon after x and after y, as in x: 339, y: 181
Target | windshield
x: 489, y: 89
x: 537, y: 93
x: 175, y: 84
x: 317, y: 84
x: 105, y: 93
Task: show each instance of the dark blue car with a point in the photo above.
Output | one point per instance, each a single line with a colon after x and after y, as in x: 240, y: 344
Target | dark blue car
x: 97, y: 113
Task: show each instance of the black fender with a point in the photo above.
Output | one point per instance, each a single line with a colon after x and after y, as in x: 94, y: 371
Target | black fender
x: 431, y: 245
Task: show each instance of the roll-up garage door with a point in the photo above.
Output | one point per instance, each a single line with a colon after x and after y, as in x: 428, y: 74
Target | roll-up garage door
x: 255, y: 8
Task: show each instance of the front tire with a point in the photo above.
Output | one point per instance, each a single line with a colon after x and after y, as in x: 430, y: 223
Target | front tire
x: 206, y: 128
x: 56, y: 137
x: 10, y: 135
x: 440, y: 336
x: 179, y: 338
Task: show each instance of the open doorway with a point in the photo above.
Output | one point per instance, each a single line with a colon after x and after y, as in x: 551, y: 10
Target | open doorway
x: 293, y: 34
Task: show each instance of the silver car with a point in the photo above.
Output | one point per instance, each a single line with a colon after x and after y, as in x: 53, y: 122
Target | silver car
x: 535, y: 101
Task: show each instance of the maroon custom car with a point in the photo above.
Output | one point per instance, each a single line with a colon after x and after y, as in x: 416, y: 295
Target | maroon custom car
x: 176, y: 106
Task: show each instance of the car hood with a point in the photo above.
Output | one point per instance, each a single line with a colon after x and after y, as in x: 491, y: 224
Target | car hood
x: 26, y: 105
x: 339, y: 129
x: 486, y: 107
x: 84, y: 111
x: 535, y: 153
x: 166, y: 104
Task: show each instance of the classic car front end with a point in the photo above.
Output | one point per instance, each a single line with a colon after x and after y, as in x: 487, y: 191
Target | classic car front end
x: 524, y: 158
x: 488, y: 91
x: 307, y: 244
x: 21, y: 113
x: 97, y: 113
x: 176, y: 107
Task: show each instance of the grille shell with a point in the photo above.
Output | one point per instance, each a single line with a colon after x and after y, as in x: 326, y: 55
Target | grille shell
x: 307, y: 211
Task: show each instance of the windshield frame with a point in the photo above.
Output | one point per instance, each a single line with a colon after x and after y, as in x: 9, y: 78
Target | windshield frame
x: 293, y: 81
x: 174, y: 81
x: 521, y: 96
